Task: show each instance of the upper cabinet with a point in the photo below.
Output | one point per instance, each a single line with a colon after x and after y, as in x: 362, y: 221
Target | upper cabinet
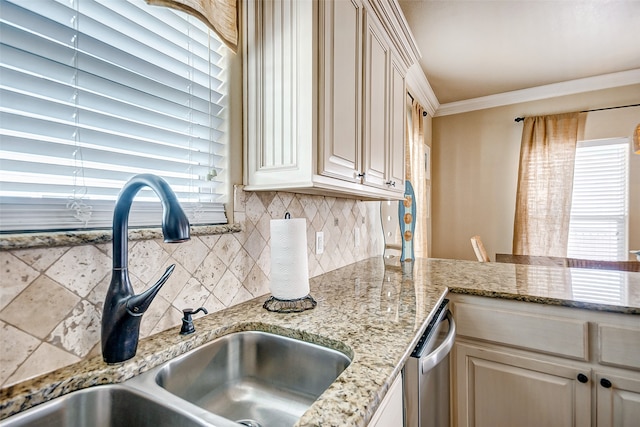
x: 325, y: 97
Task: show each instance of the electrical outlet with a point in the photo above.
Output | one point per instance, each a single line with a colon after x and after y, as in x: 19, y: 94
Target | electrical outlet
x: 319, y: 242
x: 356, y: 237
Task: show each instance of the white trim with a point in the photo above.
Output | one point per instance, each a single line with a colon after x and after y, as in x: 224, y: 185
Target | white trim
x: 421, y: 90
x: 605, y: 81
x: 390, y: 15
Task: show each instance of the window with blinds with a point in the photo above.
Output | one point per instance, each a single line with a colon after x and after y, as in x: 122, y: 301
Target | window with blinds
x: 599, y: 207
x: 96, y: 91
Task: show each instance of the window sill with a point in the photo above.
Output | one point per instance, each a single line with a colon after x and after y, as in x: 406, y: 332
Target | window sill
x: 75, y: 238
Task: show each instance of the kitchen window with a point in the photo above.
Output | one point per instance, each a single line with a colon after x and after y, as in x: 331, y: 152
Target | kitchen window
x: 599, y: 206
x: 93, y: 92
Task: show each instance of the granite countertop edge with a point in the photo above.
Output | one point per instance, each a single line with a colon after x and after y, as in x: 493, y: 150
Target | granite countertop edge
x: 353, y: 301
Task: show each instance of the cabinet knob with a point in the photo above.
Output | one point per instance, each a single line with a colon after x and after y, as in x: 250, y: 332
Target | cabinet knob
x: 583, y: 378
x: 360, y: 175
x: 391, y: 183
x: 605, y: 383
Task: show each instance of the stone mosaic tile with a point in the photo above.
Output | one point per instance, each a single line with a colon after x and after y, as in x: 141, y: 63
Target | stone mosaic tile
x: 257, y: 283
x: 255, y: 208
x: 241, y: 265
x: 16, y: 276
x: 176, y: 282
x: 42, y: 258
x: 152, y: 316
x: 79, y: 332
x: 40, y: 307
x: 210, y: 241
x: 190, y: 254
x: 227, y: 248
x: 146, y: 259
x: 193, y: 295
x: 227, y: 288
x: 264, y: 227
x: 210, y: 271
x: 45, y: 358
x: 264, y: 262
x: 15, y: 347
x: 80, y: 269
x: 171, y: 319
x: 255, y: 244
x: 242, y: 296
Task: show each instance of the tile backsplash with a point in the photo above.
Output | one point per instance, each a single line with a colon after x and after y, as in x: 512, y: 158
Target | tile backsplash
x: 51, y: 298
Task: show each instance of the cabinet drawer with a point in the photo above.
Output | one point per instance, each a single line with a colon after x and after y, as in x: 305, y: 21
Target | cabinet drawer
x: 619, y: 346
x: 548, y: 334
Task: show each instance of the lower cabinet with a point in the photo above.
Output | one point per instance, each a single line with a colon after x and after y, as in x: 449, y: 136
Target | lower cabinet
x: 496, y: 388
x: 390, y: 412
x: 528, y: 365
x: 618, y: 400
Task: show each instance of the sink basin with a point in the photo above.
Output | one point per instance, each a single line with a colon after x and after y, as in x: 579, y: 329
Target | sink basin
x: 254, y: 378
x: 101, y: 406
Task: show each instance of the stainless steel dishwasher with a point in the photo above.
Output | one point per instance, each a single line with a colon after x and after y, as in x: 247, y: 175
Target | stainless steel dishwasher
x: 426, y: 373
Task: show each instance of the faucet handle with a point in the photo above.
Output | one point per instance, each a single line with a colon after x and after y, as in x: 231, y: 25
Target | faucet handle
x: 187, y: 321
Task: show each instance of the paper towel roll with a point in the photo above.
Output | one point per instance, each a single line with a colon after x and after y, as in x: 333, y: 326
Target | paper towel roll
x: 289, y: 265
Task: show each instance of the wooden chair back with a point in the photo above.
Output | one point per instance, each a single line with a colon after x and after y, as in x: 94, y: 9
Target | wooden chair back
x: 479, y: 249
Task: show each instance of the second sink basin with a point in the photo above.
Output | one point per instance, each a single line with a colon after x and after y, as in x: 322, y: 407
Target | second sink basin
x: 102, y: 406
x: 256, y: 378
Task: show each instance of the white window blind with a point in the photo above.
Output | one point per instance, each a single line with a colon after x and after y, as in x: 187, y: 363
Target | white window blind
x: 599, y: 207
x: 94, y: 92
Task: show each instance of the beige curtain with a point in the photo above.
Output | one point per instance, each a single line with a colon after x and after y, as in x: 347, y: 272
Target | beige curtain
x: 415, y: 172
x: 545, y: 183
x: 220, y: 15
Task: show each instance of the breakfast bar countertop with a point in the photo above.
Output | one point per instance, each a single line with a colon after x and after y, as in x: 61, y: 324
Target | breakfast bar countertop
x: 373, y: 310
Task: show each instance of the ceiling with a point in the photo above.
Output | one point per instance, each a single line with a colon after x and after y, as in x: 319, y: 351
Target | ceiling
x: 477, y: 48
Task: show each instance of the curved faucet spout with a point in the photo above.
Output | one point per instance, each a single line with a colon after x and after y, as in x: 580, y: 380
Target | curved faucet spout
x: 122, y: 309
x: 175, y: 224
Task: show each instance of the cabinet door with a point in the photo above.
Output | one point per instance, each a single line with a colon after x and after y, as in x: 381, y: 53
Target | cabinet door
x: 390, y: 412
x: 376, y: 92
x: 493, y: 388
x: 340, y: 89
x: 618, y: 400
x: 398, y: 127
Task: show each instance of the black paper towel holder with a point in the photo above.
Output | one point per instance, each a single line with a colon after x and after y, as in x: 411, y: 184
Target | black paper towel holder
x: 290, y: 306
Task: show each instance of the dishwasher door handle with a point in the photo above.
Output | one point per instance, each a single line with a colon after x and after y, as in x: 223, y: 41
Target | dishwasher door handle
x: 431, y: 360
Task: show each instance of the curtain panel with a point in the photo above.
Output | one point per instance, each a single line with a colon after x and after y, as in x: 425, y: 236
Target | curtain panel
x: 545, y: 183
x: 220, y: 15
x: 415, y: 171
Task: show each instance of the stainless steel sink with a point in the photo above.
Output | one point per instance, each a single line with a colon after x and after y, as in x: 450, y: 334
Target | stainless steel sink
x: 102, y: 406
x: 255, y: 378
x: 252, y: 378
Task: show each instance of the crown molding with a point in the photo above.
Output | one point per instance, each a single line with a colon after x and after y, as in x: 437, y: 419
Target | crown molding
x: 421, y: 90
x: 571, y: 87
x: 392, y: 19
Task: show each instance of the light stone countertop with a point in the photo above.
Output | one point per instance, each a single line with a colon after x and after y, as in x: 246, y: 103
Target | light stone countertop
x: 371, y: 311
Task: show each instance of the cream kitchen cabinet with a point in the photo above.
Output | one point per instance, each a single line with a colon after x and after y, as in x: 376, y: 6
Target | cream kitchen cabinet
x: 617, y: 399
x: 525, y: 364
x: 325, y: 97
x: 340, y: 79
x: 384, y: 105
x: 390, y: 413
x: 498, y: 388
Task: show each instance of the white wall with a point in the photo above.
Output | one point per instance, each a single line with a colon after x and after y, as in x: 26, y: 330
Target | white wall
x: 475, y: 167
